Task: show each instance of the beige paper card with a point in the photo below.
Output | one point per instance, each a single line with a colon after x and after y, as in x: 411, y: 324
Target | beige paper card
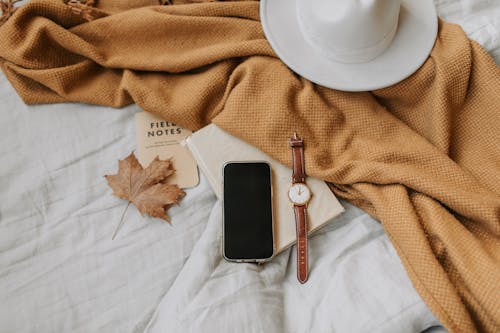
x: 157, y: 137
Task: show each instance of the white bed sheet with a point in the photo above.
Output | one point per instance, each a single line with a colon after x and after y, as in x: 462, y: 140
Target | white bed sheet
x: 60, y: 271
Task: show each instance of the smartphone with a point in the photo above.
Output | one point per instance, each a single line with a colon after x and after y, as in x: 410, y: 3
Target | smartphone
x: 248, y: 231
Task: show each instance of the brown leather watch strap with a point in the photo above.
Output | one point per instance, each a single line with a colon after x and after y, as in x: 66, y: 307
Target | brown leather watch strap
x: 301, y: 225
x: 299, y: 174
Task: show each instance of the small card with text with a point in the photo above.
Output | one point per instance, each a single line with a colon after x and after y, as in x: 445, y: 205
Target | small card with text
x: 157, y: 137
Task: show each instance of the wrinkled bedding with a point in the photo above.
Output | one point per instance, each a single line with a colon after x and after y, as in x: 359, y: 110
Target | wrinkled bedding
x: 61, y: 272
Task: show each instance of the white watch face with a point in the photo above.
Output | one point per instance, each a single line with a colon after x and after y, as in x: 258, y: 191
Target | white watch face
x: 299, y: 194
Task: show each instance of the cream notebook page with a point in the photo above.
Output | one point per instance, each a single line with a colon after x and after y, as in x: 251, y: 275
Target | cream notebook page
x: 212, y: 147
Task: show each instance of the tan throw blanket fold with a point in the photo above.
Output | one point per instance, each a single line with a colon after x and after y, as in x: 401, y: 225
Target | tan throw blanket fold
x: 422, y: 156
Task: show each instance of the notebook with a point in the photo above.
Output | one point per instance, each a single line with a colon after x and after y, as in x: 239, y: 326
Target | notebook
x: 212, y: 147
x: 157, y: 137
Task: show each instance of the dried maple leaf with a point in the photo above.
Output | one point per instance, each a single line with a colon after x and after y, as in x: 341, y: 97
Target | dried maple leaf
x: 145, y: 188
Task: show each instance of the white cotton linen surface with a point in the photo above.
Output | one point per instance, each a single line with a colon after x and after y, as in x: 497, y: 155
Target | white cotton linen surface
x: 61, y: 272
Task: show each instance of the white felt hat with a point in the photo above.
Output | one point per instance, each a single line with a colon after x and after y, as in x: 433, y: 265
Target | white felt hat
x: 351, y: 45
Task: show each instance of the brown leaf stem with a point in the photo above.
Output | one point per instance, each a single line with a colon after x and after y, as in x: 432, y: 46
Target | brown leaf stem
x: 121, y: 222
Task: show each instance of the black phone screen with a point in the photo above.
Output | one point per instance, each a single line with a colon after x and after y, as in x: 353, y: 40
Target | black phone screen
x: 248, y: 215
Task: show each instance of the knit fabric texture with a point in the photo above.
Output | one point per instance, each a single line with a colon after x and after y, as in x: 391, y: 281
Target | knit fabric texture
x: 422, y: 156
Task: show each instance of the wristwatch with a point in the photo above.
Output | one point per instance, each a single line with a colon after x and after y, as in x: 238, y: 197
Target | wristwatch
x: 300, y: 194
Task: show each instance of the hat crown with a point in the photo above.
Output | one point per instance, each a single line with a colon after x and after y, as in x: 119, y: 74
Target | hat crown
x: 350, y: 31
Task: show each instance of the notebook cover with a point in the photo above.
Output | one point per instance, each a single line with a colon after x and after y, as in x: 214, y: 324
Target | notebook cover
x: 322, y: 208
x: 157, y: 137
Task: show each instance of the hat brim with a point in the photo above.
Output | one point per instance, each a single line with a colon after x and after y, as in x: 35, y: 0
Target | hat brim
x: 411, y: 46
